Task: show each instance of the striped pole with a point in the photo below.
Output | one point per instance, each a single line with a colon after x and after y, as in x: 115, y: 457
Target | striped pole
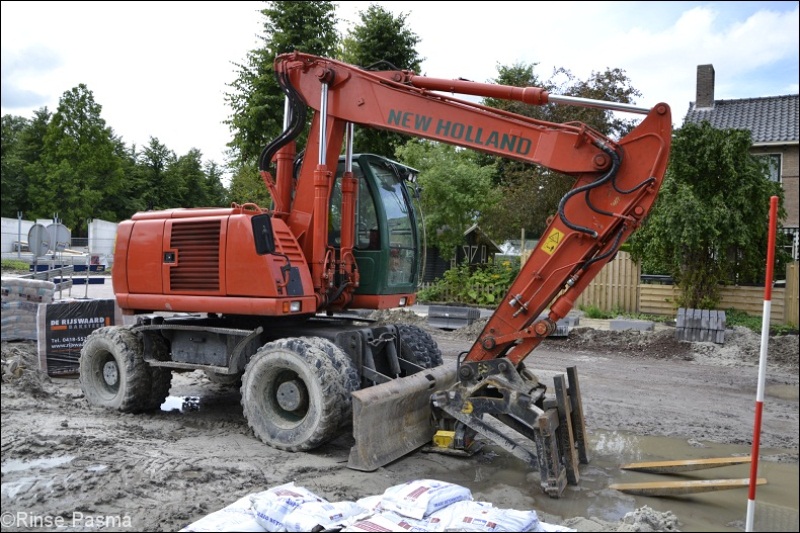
x: 762, y: 361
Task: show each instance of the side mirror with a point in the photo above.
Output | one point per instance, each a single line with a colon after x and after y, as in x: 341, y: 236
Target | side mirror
x: 262, y: 234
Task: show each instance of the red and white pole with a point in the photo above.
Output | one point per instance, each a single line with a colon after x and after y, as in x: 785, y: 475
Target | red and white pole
x: 762, y: 361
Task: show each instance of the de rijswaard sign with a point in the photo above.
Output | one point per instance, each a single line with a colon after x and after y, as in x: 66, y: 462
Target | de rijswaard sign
x: 62, y: 328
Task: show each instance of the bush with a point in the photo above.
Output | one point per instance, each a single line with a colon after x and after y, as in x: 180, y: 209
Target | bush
x: 482, y: 285
x: 734, y: 317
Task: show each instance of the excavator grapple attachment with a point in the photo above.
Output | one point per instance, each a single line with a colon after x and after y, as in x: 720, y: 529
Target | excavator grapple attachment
x: 509, y: 407
x: 393, y: 419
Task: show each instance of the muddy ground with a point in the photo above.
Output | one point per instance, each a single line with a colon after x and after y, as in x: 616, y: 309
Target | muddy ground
x: 646, y: 397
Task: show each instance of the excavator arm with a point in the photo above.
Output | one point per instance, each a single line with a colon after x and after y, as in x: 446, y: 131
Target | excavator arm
x: 616, y: 183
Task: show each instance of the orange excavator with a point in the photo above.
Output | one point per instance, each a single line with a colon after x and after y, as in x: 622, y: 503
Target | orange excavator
x: 270, y: 297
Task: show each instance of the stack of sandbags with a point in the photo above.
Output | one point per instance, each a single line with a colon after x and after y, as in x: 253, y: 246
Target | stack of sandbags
x: 20, y: 302
x: 420, y: 505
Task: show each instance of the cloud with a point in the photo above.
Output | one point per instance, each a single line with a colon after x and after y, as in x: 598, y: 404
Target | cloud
x: 19, y: 69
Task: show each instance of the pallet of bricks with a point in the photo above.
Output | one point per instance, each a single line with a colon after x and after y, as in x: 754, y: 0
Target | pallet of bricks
x: 21, y: 298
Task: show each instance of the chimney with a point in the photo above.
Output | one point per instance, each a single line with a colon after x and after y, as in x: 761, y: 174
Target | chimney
x: 705, y: 87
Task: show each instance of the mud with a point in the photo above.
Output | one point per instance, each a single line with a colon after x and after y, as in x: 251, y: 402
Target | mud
x: 97, y: 469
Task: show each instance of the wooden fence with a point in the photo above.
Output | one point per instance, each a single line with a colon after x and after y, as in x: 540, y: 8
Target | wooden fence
x: 618, y: 288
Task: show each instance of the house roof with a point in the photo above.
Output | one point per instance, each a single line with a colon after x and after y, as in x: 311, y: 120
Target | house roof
x: 770, y: 119
x: 483, y: 237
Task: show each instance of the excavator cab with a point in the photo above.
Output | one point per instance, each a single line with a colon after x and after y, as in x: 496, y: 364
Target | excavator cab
x: 387, y: 237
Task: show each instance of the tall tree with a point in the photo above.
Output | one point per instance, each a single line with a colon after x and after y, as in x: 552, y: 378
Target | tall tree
x: 23, y: 143
x: 456, y: 191
x: 381, y: 41
x: 215, y: 191
x: 256, y: 99
x: 532, y: 192
x: 158, y: 188
x: 709, y: 223
x: 79, y: 167
x: 12, y: 166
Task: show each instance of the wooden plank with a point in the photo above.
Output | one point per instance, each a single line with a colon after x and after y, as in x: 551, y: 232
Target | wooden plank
x: 688, y: 465
x: 676, y: 488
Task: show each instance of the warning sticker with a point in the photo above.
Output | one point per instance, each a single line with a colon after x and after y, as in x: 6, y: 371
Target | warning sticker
x: 552, y: 241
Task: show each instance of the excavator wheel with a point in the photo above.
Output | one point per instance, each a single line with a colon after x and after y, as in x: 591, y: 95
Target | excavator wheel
x: 291, y: 395
x: 426, y: 352
x: 160, y: 377
x: 113, y: 373
x: 347, y: 374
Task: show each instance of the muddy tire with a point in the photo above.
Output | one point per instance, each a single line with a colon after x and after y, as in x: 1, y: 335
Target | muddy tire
x: 347, y: 374
x: 160, y: 377
x: 424, y: 347
x: 113, y: 373
x: 291, y: 395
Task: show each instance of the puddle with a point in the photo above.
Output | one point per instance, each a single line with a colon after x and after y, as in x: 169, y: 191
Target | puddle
x: 18, y: 465
x: 776, y: 503
x: 182, y: 404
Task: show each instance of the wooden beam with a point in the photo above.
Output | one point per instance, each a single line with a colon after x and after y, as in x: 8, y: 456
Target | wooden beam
x: 676, y: 488
x: 688, y: 465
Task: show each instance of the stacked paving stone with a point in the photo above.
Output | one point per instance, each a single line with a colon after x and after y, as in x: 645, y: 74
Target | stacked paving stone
x: 700, y: 325
x: 20, y: 302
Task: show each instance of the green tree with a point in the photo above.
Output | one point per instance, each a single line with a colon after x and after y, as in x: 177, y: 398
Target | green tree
x: 157, y: 187
x: 531, y: 193
x: 22, y: 146
x: 79, y: 168
x: 383, y: 42
x: 456, y: 190
x: 256, y: 99
x: 709, y: 224
x: 248, y: 187
x: 215, y: 191
x: 188, y: 171
x: 12, y: 166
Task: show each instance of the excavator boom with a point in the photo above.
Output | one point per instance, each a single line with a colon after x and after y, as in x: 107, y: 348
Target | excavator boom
x: 616, y: 182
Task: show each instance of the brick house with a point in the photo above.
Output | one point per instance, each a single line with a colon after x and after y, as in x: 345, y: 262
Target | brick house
x: 773, y: 123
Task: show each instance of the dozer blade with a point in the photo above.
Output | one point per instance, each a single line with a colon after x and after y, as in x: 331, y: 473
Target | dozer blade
x: 393, y: 419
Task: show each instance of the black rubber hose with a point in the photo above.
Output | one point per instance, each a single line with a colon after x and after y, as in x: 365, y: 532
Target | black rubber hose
x: 297, y: 120
x: 616, y: 161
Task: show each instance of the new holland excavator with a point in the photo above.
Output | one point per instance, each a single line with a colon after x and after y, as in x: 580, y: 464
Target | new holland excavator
x: 268, y: 296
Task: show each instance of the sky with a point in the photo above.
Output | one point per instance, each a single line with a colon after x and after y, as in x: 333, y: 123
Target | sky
x: 161, y: 69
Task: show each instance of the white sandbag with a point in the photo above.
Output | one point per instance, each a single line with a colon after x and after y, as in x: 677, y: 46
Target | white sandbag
x: 371, y: 503
x: 375, y: 523
x: 272, y: 506
x: 482, y: 516
x: 418, y: 499
x: 406, y: 523
x: 552, y: 528
x: 238, y: 516
x: 310, y: 516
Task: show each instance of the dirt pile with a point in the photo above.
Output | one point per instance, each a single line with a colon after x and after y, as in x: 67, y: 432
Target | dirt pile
x: 742, y: 346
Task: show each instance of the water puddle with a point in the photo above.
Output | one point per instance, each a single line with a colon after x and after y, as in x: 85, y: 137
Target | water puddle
x: 182, y: 404
x: 18, y: 465
x: 776, y: 503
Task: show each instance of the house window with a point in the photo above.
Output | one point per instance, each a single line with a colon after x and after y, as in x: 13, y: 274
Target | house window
x: 773, y: 162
